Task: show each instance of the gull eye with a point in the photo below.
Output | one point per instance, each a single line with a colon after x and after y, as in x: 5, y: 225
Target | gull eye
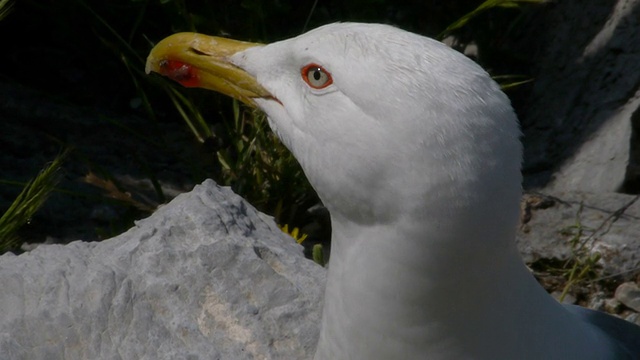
x: 316, y: 76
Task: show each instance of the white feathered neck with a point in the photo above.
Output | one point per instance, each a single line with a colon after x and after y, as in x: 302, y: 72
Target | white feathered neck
x: 415, y: 152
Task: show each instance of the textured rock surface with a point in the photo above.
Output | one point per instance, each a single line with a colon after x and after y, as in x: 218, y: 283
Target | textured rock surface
x: 580, y: 127
x: 629, y: 295
x: 205, y: 277
x: 208, y: 277
x: 604, y: 223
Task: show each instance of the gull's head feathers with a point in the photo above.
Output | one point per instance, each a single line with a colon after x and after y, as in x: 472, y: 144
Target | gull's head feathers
x: 405, y: 121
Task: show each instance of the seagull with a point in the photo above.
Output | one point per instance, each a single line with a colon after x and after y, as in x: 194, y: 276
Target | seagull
x: 415, y: 152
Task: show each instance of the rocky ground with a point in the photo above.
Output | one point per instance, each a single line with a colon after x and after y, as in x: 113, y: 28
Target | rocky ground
x: 583, y: 248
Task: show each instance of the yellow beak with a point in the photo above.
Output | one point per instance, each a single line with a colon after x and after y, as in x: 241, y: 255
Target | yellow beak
x: 196, y: 60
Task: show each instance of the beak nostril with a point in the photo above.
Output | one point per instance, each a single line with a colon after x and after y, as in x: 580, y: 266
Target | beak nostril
x: 197, y: 52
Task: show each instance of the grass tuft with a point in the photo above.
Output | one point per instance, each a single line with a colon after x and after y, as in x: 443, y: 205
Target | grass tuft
x: 28, y: 202
x: 583, y: 265
x: 583, y: 262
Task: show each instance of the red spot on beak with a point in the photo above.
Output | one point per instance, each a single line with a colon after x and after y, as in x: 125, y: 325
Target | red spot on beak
x: 180, y: 72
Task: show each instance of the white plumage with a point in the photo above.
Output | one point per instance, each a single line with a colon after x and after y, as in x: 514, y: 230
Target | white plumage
x: 415, y: 151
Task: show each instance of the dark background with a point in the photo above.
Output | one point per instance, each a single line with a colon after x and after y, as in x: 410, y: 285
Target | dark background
x: 71, y: 76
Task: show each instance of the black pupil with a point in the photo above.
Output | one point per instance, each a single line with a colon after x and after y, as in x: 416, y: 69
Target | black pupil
x: 317, y: 74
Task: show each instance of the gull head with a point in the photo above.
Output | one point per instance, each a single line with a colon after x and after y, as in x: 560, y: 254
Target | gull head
x: 383, y: 122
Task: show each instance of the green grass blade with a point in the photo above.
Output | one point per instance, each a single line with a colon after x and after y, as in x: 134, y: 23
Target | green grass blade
x: 5, y: 8
x: 27, y: 203
x: 487, y: 5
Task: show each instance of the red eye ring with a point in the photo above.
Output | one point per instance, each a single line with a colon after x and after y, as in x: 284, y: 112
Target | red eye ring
x: 316, y: 76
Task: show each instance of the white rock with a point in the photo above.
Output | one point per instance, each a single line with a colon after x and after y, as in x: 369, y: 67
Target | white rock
x: 205, y: 277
